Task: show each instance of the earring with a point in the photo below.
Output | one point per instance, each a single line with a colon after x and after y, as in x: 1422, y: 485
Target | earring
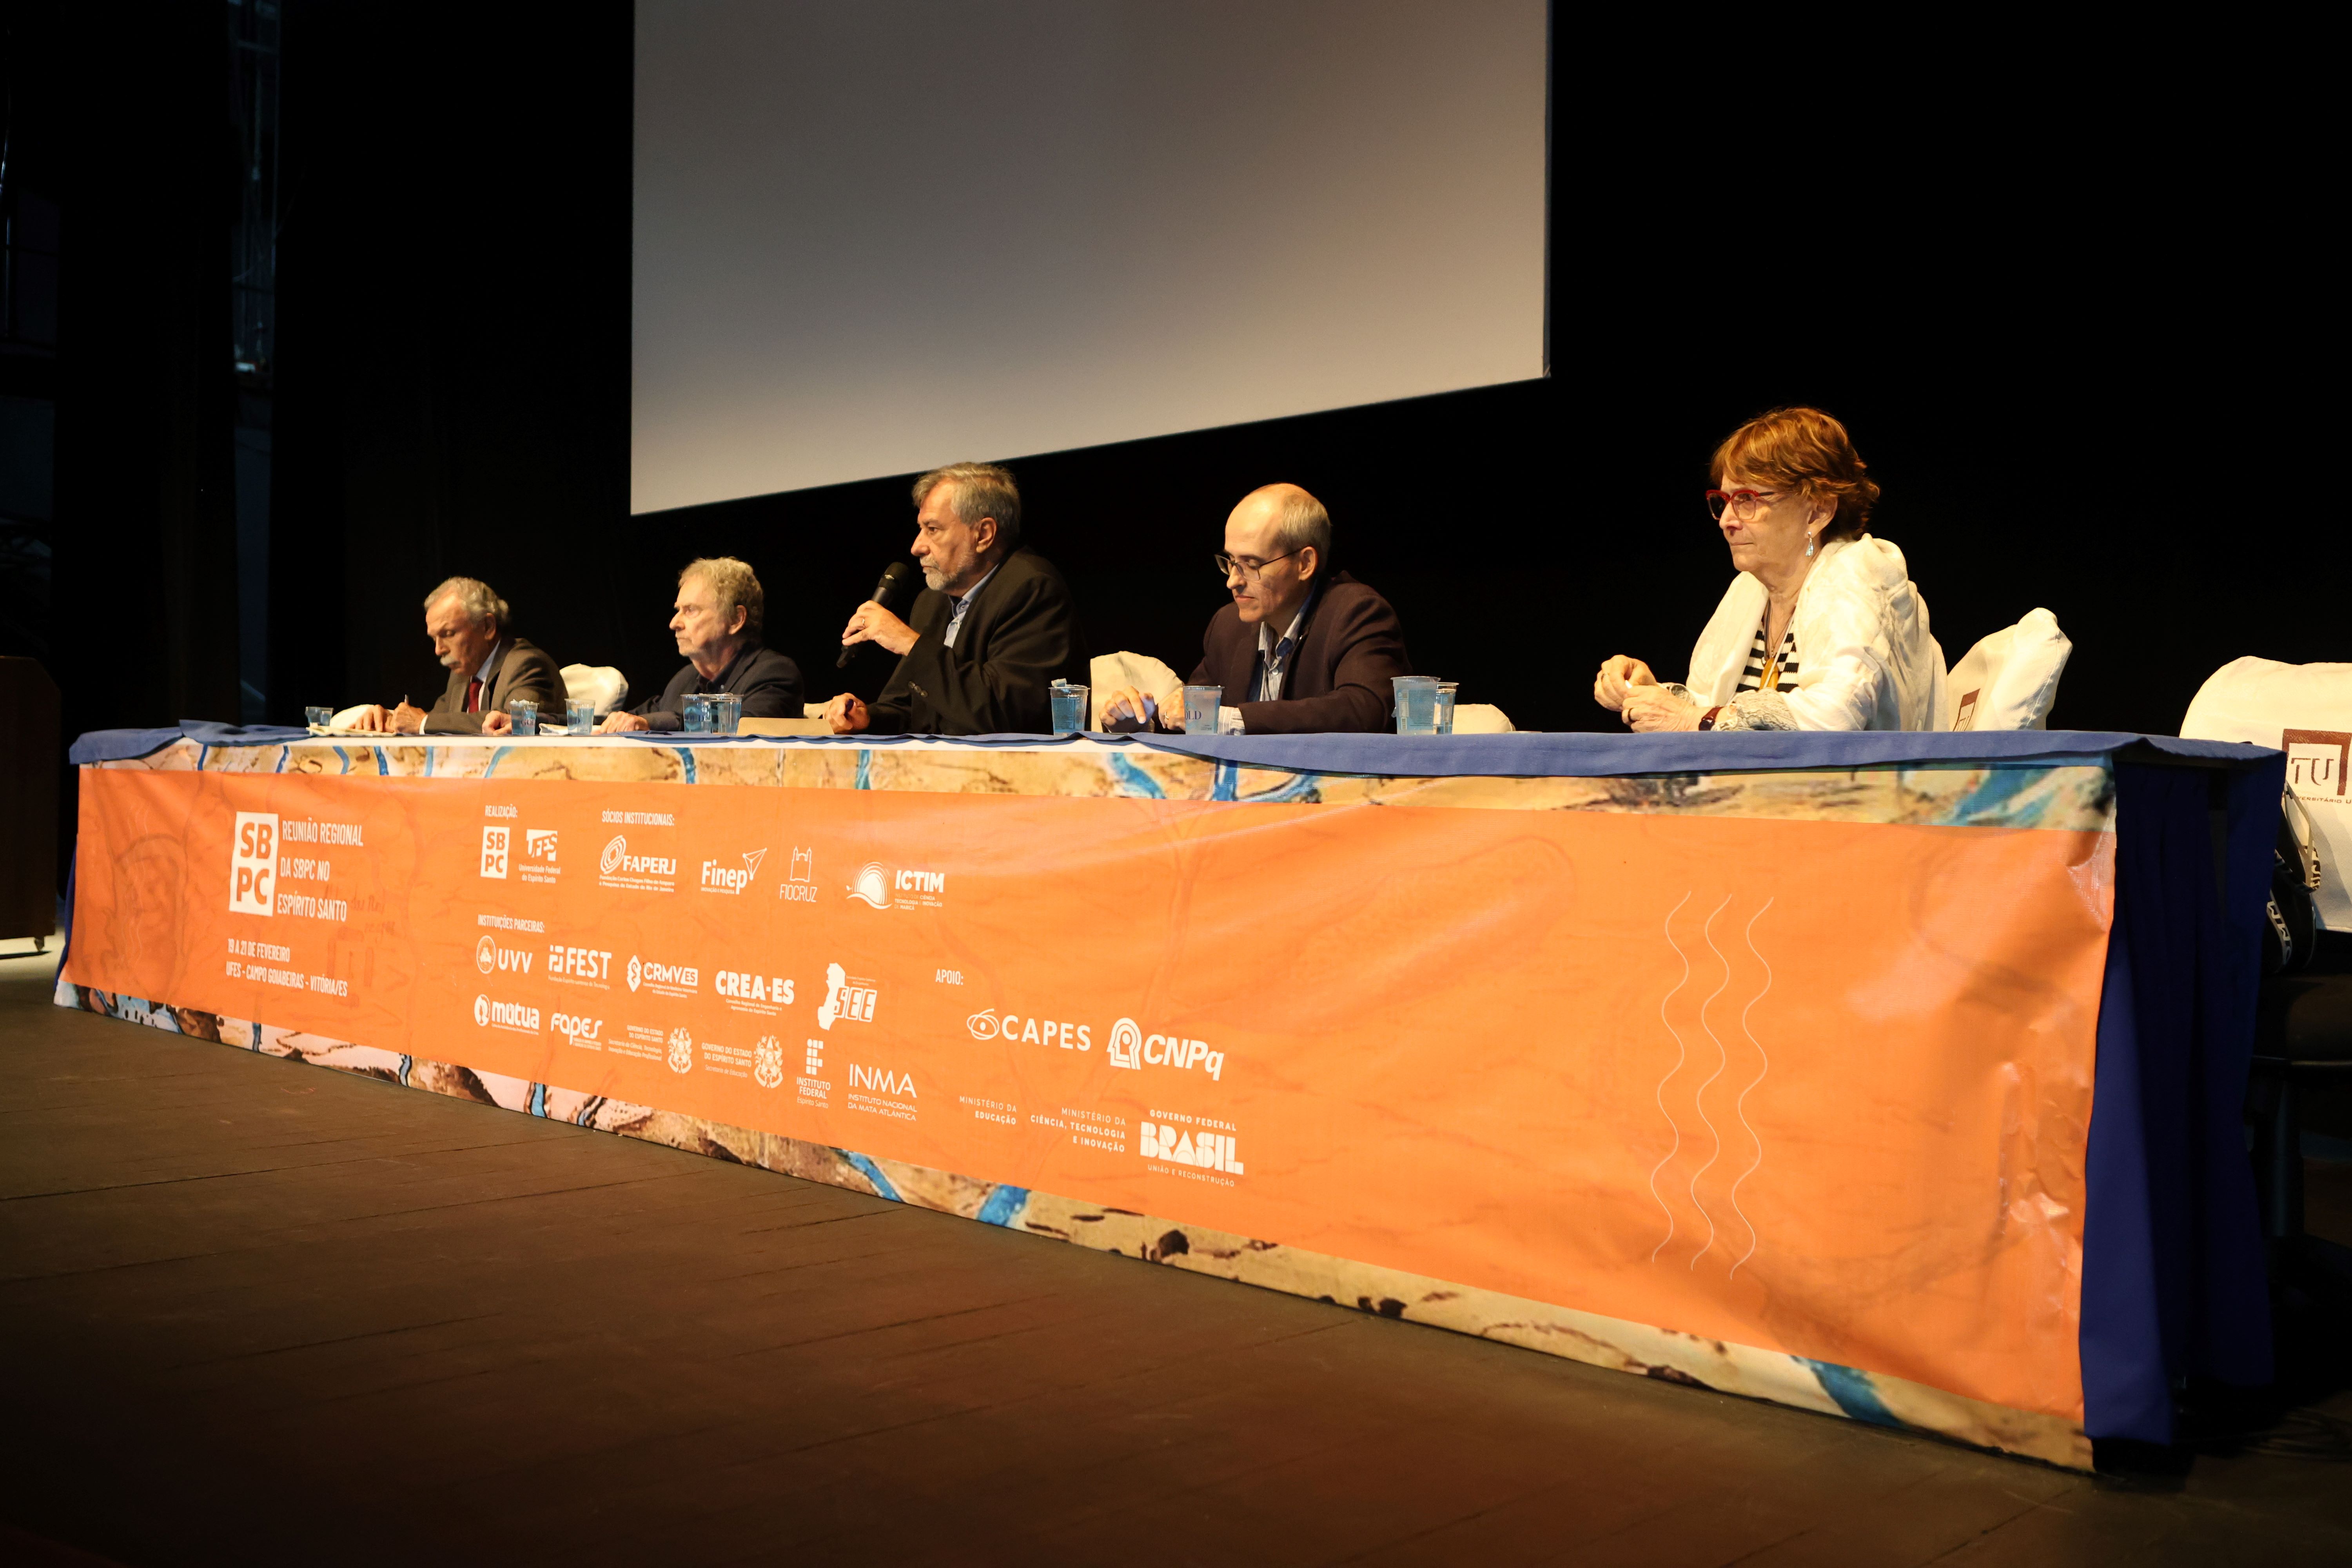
x: 1809, y: 547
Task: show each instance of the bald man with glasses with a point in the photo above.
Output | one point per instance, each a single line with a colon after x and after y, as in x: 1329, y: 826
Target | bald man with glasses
x: 1302, y: 649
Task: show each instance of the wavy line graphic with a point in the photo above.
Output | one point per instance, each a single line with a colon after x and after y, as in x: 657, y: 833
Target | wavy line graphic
x: 1699, y: 1101
x: 1739, y: 1106
x: 1680, y: 1056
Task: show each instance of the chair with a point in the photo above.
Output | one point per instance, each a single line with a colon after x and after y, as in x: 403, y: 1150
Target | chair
x: 2304, y: 711
x: 2009, y: 680
x: 1107, y: 672
x: 1481, y: 719
x: 601, y: 684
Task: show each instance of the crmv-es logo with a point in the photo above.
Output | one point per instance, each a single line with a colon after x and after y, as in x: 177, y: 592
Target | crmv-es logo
x: 517, y: 1017
x: 580, y: 1031
x: 908, y: 889
x: 492, y: 959
x: 1131, y: 1048
x: 1029, y: 1029
x: 847, y: 998
x: 1181, y: 1146
x: 679, y: 978
x: 719, y: 877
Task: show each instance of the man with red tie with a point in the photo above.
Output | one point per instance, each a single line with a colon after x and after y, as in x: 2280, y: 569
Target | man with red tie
x: 489, y: 668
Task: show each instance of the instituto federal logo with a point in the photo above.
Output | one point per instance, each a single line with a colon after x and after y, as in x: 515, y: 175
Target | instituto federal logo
x: 681, y: 1051
x: 768, y: 1062
x: 1131, y: 1048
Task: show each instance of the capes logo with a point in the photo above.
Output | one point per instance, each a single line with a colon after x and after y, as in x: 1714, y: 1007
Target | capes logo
x: 505, y: 1015
x: 1205, y: 1150
x: 1131, y: 1048
x: 574, y: 1027
x: 718, y: 878
x: 986, y: 1025
x: 768, y: 1062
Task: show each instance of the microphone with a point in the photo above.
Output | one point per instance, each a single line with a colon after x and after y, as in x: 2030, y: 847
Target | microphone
x: 894, y: 577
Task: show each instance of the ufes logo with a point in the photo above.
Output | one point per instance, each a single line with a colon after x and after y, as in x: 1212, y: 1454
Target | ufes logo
x: 253, y: 864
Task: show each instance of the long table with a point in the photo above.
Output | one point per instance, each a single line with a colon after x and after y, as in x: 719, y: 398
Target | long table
x: 1892, y: 1077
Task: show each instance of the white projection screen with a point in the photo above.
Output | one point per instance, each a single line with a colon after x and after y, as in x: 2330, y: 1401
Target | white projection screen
x: 874, y: 235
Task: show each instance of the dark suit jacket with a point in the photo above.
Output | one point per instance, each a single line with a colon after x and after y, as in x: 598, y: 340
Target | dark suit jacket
x: 1340, y: 673
x: 768, y: 683
x: 518, y: 669
x: 1020, y: 635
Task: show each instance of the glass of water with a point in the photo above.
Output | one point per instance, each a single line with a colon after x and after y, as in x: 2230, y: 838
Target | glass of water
x: 579, y: 716
x: 1416, y: 704
x: 725, y: 714
x: 697, y: 713
x: 1201, y: 705
x: 319, y: 718
x: 1445, y: 690
x: 1069, y: 708
x: 525, y: 714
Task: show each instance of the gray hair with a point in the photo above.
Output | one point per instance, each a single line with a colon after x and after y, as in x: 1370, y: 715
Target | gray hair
x: 477, y: 598
x: 1302, y: 522
x: 732, y: 584
x: 982, y: 489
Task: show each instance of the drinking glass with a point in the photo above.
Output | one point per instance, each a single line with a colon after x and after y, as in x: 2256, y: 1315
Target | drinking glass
x: 579, y: 716
x: 1201, y: 705
x: 725, y: 714
x: 1445, y: 690
x: 697, y: 713
x: 319, y: 718
x: 1069, y: 708
x: 1416, y: 704
x: 525, y: 714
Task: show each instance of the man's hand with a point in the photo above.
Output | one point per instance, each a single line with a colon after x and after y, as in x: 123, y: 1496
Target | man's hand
x: 1129, y: 703
x: 498, y: 722
x: 1619, y: 676
x: 871, y: 623
x: 846, y: 713
x: 619, y: 723
x: 372, y: 720
x: 1652, y: 708
x: 407, y: 720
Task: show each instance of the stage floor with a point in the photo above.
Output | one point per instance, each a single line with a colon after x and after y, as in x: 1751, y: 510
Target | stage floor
x: 259, y: 1313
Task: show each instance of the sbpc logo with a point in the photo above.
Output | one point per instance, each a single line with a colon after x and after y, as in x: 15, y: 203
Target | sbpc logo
x: 253, y: 864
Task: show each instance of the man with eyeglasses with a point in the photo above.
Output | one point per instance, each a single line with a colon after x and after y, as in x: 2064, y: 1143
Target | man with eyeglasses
x: 1302, y: 649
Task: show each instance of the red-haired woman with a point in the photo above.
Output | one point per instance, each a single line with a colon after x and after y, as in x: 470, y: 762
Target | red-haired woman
x: 1822, y: 628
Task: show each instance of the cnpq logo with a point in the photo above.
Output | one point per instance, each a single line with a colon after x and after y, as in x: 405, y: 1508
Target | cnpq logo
x: 1131, y: 1048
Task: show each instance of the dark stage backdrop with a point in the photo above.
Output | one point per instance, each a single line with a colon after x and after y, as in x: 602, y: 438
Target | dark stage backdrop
x: 2072, y: 398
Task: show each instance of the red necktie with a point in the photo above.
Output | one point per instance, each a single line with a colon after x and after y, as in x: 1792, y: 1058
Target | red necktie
x: 473, y: 696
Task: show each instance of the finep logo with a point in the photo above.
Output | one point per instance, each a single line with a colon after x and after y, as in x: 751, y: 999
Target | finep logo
x: 1131, y: 1048
x: 253, y: 864
x: 495, y: 842
x: 719, y: 879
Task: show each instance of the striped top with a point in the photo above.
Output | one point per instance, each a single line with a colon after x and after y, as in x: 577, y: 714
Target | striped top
x: 1785, y: 677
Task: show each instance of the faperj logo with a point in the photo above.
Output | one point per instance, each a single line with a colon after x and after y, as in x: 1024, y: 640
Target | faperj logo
x: 253, y: 864
x: 1131, y: 1048
x: 878, y: 886
x: 616, y: 861
x: 721, y: 879
x: 1205, y: 1150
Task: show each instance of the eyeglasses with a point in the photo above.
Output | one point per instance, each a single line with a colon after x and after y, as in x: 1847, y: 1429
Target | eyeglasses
x: 1229, y: 564
x: 1742, y: 504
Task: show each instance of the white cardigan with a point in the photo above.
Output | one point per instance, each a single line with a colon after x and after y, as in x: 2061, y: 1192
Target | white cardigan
x: 1864, y: 659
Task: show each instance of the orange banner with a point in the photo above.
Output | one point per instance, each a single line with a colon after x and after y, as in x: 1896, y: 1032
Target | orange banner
x: 1814, y: 1087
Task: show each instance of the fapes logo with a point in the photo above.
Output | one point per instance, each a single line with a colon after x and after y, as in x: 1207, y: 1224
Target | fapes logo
x: 253, y: 864
x: 1131, y: 1048
x: 580, y: 1031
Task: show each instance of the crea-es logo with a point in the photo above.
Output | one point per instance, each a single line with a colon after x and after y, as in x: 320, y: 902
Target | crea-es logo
x: 517, y: 1015
x: 1131, y: 1048
x: 719, y: 877
x: 616, y: 861
x: 881, y: 888
x: 739, y: 986
x: 575, y: 1028
x: 253, y: 864
x: 681, y: 1050
x: 847, y: 998
x: 1179, y: 1146
x: 986, y: 1025
x: 663, y: 976
x: 492, y: 959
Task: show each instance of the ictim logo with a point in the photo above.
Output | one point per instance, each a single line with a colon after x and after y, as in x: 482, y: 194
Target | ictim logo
x: 878, y: 886
x: 872, y: 885
x: 718, y: 878
x: 1131, y: 1048
x: 1205, y: 1150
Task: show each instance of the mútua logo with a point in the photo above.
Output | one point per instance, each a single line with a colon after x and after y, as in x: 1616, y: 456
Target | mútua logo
x: 1178, y: 1146
x: 1131, y: 1048
x: 681, y: 1050
x: 517, y: 1016
x: 846, y: 997
x: 253, y: 864
x: 492, y: 959
x: 575, y: 1028
x: 768, y: 1062
x: 723, y: 878
x: 1028, y: 1029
